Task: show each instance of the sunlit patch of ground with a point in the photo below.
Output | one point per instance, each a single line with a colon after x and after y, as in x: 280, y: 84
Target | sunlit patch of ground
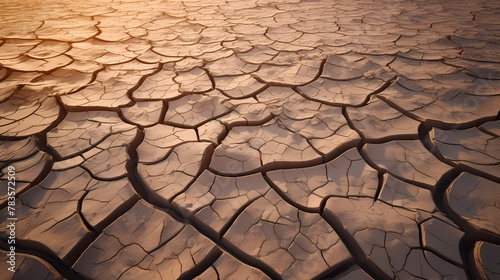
x: 268, y: 139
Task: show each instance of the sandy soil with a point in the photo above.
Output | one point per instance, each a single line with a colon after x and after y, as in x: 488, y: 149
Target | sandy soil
x: 250, y: 139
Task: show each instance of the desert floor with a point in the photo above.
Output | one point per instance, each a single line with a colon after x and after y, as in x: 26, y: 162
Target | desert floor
x: 256, y: 139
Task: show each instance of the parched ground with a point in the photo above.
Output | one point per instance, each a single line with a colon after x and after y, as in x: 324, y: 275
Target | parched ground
x: 251, y: 139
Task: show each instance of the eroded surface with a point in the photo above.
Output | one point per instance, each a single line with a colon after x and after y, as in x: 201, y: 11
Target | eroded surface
x: 264, y: 139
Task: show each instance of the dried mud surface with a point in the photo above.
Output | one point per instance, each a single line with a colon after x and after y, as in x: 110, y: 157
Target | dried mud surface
x: 261, y: 139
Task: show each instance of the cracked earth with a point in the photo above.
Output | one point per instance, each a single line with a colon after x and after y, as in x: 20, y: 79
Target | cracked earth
x: 262, y: 139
